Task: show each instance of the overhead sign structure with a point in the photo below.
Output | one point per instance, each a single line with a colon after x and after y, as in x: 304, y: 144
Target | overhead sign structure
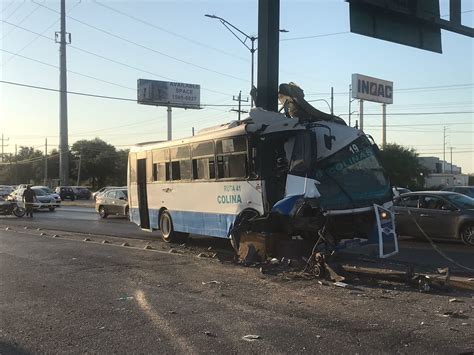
x: 415, y: 23
x: 372, y: 89
x: 170, y: 94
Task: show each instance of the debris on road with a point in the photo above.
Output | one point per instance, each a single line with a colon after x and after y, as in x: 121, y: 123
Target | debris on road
x: 125, y: 298
x: 251, y: 337
x: 209, y: 334
x: 105, y: 242
x: 213, y: 282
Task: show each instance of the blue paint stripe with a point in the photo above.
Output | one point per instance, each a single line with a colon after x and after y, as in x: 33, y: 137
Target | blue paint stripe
x: 210, y: 224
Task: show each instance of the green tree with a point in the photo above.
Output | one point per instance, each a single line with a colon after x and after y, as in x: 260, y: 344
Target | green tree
x: 403, y: 166
x: 98, y: 161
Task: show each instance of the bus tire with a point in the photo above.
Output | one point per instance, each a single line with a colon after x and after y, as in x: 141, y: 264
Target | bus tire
x: 168, y: 233
x: 241, y: 218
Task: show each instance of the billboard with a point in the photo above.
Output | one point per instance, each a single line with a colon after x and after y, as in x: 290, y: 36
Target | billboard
x: 372, y: 89
x: 165, y: 93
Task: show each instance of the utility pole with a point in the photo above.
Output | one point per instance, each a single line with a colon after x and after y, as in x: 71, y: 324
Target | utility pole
x: 239, y: 99
x: 63, y: 124
x: 192, y: 131
x: 268, y: 54
x: 451, y: 148
x: 4, y: 145
x: 169, y: 123
x: 79, y: 170
x: 45, y: 162
x: 16, y: 165
x: 384, y: 125
x: 444, y: 148
x: 361, y: 114
x: 332, y: 101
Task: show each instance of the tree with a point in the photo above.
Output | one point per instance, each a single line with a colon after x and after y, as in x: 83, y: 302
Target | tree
x: 403, y: 166
x: 98, y: 161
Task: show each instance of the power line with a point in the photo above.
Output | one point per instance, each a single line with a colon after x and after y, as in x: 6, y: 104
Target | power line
x: 314, y: 36
x: 94, y: 95
x: 38, y: 34
x: 146, y: 47
x: 96, y: 55
x: 13, y: 12
x: 21, y: 21
x: 190, y: 40
x: 423, y: 124
x: 69, y: 71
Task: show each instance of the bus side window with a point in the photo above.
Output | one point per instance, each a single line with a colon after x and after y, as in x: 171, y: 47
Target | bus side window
x: 203, y: 166
x: 180, y: 163
x: 160, y: 167
x: 231, y: 158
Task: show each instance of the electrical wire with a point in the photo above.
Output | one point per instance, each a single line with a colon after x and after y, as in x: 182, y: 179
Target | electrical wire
x: 18, y: 7
x: 146, y: 47
x: 21, y: 21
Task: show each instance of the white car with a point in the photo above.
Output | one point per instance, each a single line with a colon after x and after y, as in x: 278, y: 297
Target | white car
x: 56, y: 196
x: 43, y: 200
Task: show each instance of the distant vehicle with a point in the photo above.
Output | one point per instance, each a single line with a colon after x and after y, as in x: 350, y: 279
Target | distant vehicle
x: 81, y: 192
x: 103, y: 189
x: 6, y: 190
x: 114, y: 201
x: 9, y: 207
x: 441, y: 214
x: 43, y: 200
x: 66, y: 192
x: 55, y: 195
x: 397, y: 191
x: 465, y: 190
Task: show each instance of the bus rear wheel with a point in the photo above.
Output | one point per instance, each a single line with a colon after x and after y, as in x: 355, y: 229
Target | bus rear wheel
x: 168, y: 234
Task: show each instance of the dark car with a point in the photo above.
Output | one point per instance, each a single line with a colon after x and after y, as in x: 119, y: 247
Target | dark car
x: 441, y: 214
x: 113, y: 201
x: 81, y: 192
x: 465, y: 190
x: 66, y: 192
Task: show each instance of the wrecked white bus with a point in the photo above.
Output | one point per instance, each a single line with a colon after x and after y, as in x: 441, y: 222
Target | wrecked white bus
x: 269, y: 172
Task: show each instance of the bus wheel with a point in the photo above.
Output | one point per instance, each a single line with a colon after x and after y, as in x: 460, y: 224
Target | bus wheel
x: 239, y: 221
x: 167, y: 230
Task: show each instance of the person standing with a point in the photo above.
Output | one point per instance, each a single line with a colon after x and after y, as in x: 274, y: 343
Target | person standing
x: 29, y: 197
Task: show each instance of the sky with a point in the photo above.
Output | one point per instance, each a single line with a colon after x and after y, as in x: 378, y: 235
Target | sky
x: 114, y: 43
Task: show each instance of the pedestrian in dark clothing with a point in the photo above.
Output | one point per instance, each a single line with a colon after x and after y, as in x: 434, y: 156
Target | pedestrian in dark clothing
x: 29, y: 197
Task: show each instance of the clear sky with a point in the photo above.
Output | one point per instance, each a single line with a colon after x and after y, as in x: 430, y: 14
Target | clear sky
x: 116, y: 42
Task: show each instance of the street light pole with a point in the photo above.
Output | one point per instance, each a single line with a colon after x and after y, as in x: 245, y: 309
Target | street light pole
x: 251, y: 48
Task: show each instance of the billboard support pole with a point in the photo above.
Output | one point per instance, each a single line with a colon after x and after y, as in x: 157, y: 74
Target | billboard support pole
x: 169, y: 123
x: 361, y: 114
x: 384, y: 125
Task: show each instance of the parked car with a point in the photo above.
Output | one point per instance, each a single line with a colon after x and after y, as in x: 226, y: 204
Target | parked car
x: 397, y: 191
x: 5, y: 190
x: 43, y: 200
x: 66, y: 192
x: 81, y: 192
x: 55, y: 195
x: 105, y: 188
x: 114, y: 201
x: 441, y: 214
x: 465, y: 190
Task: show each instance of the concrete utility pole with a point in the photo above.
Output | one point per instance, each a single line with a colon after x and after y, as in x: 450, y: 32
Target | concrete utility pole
x: 239, y: 99
x: 361, y: 114
x: 384, y: 125
x: 170, y: 129
x: 16, y: 165
x: 46, y: 162
x: 444, y: 148
x: 451, y: 148
x: 79, y: 170
x: 63, y: 130
x: 4, y: 145
x: 332, y: 101
x: 268, y: 54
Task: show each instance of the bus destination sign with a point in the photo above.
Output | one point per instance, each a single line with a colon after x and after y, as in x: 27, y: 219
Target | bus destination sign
x: 165, y: 93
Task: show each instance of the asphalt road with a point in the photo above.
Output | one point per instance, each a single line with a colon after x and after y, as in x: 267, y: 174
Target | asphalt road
x: 87, y: 221
x: 65, y: 295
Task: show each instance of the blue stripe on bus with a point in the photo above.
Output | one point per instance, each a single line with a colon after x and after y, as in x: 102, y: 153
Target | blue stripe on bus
x: 211, y: 224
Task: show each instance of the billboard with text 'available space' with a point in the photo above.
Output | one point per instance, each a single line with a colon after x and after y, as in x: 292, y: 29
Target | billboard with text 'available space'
x: 165, y: 93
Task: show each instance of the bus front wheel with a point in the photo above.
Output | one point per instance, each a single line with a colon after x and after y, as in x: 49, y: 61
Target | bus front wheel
x: 168, y: 234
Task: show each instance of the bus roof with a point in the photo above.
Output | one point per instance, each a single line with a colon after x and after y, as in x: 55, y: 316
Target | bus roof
x: 259, y: 121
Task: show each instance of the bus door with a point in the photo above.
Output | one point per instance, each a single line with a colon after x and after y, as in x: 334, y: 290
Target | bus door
x: 142, y: 194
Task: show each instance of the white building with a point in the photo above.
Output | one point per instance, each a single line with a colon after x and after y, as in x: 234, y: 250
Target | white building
x: 442, y: 173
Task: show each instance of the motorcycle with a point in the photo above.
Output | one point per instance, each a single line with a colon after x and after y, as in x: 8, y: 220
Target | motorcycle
x: 11, y: 207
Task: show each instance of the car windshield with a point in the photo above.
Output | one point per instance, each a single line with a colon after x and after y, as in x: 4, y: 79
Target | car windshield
x: 39, y: 192
x: 461, y: 201
x: 47, y: 190
x: 352, y: 178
